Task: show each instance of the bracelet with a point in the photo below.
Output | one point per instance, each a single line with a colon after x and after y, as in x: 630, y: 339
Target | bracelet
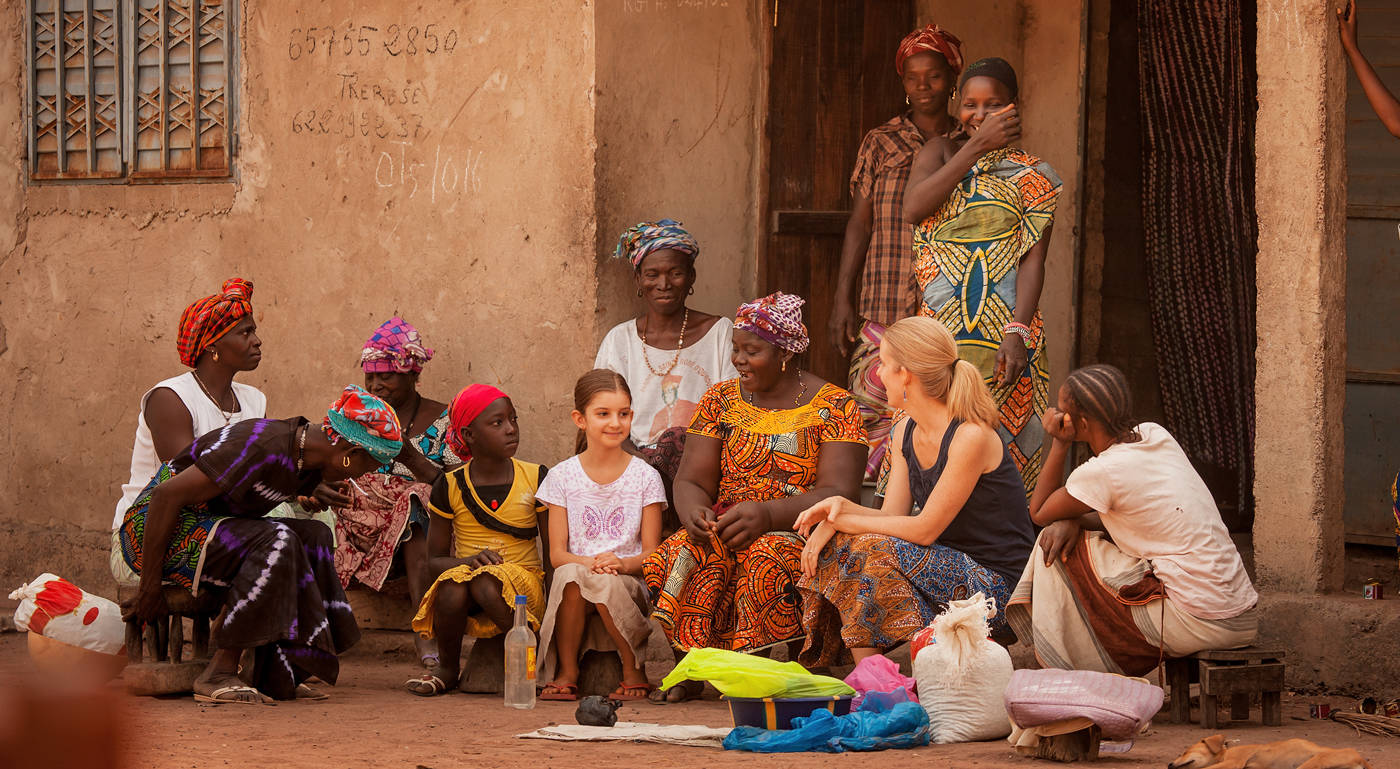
x: 1021, y: 330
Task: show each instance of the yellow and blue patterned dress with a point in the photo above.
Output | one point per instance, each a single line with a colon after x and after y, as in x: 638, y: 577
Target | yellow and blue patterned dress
x: 966, y: 258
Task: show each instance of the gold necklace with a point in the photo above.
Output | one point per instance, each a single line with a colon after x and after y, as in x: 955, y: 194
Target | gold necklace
x: 227, y: 415
x: 680, y: 343
x: 748, y: 396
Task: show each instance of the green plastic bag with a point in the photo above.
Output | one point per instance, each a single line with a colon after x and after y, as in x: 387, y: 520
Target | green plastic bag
x: 745, y: 675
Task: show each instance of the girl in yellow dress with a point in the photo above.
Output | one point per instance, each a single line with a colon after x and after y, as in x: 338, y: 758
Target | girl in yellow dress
x: 483, y: 538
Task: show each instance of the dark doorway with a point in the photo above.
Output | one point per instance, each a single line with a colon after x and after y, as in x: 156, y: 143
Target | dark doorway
x: 1177, y: 179
x: 831, y: 80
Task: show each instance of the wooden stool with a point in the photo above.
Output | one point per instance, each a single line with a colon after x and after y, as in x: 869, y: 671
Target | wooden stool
x: 1234, y: 673
x: 164, y: 641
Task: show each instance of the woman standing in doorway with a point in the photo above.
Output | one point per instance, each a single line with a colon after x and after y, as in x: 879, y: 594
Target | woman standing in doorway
x: 983, y: 212
x: 878, y: 240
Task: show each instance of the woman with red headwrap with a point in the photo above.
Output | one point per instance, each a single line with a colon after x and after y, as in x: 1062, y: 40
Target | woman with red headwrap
x: 217, y: 339
x: 876, y: 256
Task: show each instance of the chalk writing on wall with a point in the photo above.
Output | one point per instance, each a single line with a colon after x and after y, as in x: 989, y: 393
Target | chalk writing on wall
x: 329, y: 41
x: 448, y: 176
x: 375, y: 106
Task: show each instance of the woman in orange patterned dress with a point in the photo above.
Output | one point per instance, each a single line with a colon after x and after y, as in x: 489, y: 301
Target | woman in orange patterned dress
x: 761, y: 448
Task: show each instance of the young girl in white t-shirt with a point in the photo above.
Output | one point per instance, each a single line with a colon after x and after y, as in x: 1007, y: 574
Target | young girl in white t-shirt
x: 1166, y: 580
x: 604, y: 520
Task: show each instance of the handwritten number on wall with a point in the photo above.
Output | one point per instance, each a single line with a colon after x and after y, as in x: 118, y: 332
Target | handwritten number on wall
x: 397, y: 40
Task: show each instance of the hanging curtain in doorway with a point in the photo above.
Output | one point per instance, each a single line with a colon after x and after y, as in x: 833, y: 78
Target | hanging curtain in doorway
x: 1196, y: 70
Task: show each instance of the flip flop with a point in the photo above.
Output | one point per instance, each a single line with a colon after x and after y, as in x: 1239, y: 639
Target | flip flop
x: 217, y: 696
x: 561, y: 693
x: 305, y: 692
x: 626, y: 693
x: 427, y: 685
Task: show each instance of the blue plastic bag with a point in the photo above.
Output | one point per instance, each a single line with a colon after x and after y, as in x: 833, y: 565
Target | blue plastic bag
x: 885, y: 720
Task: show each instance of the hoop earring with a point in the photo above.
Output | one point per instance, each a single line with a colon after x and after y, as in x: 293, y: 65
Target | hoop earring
x: 691, y: 292
x: 345, y: 461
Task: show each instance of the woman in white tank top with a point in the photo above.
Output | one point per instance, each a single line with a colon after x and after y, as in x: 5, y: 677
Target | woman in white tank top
x: 218, y: 338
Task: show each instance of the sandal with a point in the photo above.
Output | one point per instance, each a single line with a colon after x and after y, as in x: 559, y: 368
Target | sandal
x: 220, y: 696
x: 627, y: 692
x: 305, y: 692
x: 559, y: 692
x: 429, y: 684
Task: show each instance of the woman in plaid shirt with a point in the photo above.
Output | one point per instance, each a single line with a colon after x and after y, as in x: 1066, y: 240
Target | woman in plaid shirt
x: 876, y: 255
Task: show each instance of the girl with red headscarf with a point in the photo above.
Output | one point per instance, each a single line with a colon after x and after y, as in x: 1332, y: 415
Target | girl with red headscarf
x: 482, y: 539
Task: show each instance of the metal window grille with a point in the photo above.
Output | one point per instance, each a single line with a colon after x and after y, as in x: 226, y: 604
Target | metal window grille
x: 129, y: 89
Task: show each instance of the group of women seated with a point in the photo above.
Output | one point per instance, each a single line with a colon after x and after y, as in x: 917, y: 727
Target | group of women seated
x: 717, y: 485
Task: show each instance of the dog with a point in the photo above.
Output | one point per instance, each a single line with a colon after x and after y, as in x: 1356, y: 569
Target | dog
x: 1212, y: 752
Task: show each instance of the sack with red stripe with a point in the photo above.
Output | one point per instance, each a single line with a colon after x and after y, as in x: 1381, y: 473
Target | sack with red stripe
x: 55, y: 608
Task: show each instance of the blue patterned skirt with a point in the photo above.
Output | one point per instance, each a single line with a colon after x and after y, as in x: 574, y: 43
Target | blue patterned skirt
x: 879, y: 591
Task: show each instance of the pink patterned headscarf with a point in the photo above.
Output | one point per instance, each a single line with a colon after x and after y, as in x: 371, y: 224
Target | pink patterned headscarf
x: 395, y: 346
x: 776, y: 319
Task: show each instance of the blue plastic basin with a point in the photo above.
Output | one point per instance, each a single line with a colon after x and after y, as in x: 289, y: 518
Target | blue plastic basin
x: 778, y: 712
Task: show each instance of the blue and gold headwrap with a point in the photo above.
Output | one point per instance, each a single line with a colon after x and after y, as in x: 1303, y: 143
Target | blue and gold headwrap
x: 646, y: 237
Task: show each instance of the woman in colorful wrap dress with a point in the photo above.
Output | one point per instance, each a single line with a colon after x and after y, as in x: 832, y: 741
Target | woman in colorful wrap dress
x: 203, y: 512
x: 875, y: 282
x: 385, y: 512
x: 670, y: 354
x: 983, y: 212
x: 762, y: 448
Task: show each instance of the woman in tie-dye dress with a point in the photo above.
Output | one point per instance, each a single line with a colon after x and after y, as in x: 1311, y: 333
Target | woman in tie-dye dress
x: 983, y: 212
x: 203, y: 513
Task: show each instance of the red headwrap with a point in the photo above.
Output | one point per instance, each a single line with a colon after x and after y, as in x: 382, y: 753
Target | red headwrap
x: 467, y: 406
x: 207, y: 320
x: 931, y: 38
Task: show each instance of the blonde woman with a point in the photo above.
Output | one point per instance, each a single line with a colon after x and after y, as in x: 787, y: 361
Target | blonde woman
x: 888, y: 572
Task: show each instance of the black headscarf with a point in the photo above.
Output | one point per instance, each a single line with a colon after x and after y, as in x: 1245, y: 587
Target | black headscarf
x: 995, y: 68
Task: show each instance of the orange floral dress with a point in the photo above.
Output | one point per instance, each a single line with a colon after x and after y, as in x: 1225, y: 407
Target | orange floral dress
x: 747, y: 600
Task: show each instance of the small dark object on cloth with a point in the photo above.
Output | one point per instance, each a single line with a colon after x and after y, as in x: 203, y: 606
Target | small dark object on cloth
x: 597, y: 711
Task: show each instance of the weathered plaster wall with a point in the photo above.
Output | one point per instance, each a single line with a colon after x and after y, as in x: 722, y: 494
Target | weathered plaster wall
x: 1300, y: 379
x: 679, y: 115
x: 1045, y: 40
x: 468, y: 207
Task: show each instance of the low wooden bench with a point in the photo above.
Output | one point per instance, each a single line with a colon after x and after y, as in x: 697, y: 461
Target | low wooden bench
x: 1235, y: 674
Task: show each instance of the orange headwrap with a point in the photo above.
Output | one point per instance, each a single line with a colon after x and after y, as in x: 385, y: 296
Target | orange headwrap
x: 207, y: 320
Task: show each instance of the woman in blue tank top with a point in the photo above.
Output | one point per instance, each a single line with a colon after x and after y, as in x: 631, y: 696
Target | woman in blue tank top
x: 882, y: 575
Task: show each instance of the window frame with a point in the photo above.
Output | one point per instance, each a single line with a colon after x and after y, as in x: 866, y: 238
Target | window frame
x: 129, y: 100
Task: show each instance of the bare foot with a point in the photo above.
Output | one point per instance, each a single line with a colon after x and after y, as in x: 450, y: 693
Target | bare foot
x: 686, y: 690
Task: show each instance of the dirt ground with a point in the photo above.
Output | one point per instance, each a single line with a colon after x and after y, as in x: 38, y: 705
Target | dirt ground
x: 370, y: 722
